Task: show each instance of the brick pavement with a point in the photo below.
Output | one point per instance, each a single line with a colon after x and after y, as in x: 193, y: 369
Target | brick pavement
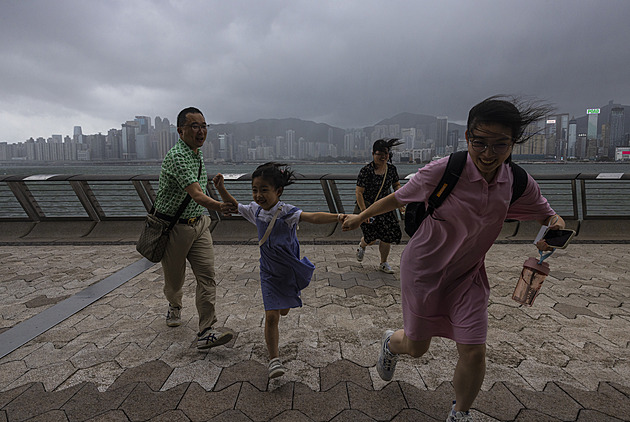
x: 566, y: 358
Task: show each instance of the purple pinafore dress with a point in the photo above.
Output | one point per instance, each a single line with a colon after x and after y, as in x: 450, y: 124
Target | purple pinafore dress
x: 282, y: 273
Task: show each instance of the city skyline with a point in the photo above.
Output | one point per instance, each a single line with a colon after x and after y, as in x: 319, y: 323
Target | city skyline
x: 172, y: 121
x: 602, y: 134
x: 347, y: 64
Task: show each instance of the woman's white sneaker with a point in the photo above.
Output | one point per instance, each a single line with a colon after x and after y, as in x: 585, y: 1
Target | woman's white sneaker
x: 360, y: 253
x: 386, y: 268
x: 386, y: 360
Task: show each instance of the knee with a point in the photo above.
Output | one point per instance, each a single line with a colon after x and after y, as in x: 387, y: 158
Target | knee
x: 417, y: 351
x: 272, y: 318
x: 473, y: 354
x: 413, y: 348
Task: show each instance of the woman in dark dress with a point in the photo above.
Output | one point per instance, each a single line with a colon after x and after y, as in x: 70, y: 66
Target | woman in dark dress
x: 373, y: 183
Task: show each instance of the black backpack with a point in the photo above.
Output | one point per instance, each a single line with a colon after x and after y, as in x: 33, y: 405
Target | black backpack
x: 416, y: 212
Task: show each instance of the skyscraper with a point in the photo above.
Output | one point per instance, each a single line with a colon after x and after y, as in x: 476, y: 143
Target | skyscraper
x: 562, y: 136
x: 348, y: 144
x: 129, y: 130
x: 408, y: 136
x: 572, y: 139
x: 114, y: 141
x: 453, y: 140
x: 77, y: 135
x: 145, y: 124
x: 291, y: 144
x: 617, y: 130
x: 281, y: 147
x: 592, y: 147
x: 441, y: 135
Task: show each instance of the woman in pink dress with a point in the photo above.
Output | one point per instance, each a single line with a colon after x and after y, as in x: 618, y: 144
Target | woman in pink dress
x: 444, y: 286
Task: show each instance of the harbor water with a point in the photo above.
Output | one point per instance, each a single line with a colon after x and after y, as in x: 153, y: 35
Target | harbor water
x: 404, y: 169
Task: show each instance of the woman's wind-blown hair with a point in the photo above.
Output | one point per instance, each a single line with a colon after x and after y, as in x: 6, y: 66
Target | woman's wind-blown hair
x: 515, y: 112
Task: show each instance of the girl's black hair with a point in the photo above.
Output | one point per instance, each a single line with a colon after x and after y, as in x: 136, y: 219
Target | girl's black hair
x: 511, y: 111
x: 277, y: 174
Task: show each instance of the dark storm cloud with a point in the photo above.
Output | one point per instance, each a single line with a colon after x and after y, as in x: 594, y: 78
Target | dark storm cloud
x: 346, y: 63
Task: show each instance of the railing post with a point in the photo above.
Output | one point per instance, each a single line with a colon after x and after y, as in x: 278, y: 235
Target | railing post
x: 332, y: 207
x: 332, y: 199
x: 26, y: 200
x: 145, y: 192
x: 336, y: 197
x: 87, y: 199
x: 576, y: 213
x: 583, y: 194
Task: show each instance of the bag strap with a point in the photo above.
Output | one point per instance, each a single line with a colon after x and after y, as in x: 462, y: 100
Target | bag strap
x: 383, y: 182
x: 454, y: 169
x: 184, y: 203
x: 519, y: 181
x: 269, y: 227
x: 450, y: 177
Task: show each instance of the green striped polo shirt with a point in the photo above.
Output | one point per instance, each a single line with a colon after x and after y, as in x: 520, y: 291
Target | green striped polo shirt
x: 179, y: 170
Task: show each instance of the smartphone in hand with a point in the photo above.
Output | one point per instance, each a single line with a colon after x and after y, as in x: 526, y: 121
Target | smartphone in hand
x: 558, y: 238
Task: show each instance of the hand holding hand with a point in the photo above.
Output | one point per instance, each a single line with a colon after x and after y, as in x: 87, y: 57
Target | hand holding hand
x: 228, y: 208
x: 351, y: 222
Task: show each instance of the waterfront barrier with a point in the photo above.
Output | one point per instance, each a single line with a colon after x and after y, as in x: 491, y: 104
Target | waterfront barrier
x: 111, y: 207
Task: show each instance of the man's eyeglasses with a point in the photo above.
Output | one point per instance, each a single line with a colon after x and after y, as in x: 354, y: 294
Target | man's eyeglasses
x: 381, y: 154
x: 500, y: 148
x: 197, y: 126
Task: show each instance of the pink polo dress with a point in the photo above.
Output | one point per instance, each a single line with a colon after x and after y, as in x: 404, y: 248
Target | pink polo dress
x: 444, y: 286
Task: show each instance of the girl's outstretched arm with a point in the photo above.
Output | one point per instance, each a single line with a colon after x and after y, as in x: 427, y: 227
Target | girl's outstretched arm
x: 321, y: 217
x: 219, y: 183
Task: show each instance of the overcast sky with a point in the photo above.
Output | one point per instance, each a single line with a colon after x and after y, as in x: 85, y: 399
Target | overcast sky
x: 343, y: 62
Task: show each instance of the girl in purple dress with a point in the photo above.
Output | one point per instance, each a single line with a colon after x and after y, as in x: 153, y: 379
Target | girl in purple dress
x: 444, y: 286
x: 282, y: 273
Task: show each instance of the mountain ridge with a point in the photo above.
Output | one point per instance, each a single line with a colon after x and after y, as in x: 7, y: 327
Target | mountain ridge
x: 319, y: 132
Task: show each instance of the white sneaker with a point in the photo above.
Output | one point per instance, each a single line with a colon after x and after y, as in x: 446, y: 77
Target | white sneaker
x: 460, y: 416
x: 276, y: 369
x: 174, y: 316
x: 360, y: 253
x: 386, y: 268
x: 386, y: 363
x: 212, y: 338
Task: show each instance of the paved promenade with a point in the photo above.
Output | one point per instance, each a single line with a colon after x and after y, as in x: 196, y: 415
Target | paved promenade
x: 565, y: 359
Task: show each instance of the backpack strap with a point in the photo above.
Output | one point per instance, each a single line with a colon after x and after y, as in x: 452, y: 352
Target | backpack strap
x: 450, y: 177
x: 519, y: 181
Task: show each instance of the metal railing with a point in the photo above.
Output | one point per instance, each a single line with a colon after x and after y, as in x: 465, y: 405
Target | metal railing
x: 129, y: 197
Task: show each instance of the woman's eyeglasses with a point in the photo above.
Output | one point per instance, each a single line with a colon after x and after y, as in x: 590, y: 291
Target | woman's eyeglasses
x: 500, y: 148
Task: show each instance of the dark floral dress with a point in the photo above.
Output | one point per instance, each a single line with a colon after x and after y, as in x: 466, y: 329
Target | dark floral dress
x: 385, y: 227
